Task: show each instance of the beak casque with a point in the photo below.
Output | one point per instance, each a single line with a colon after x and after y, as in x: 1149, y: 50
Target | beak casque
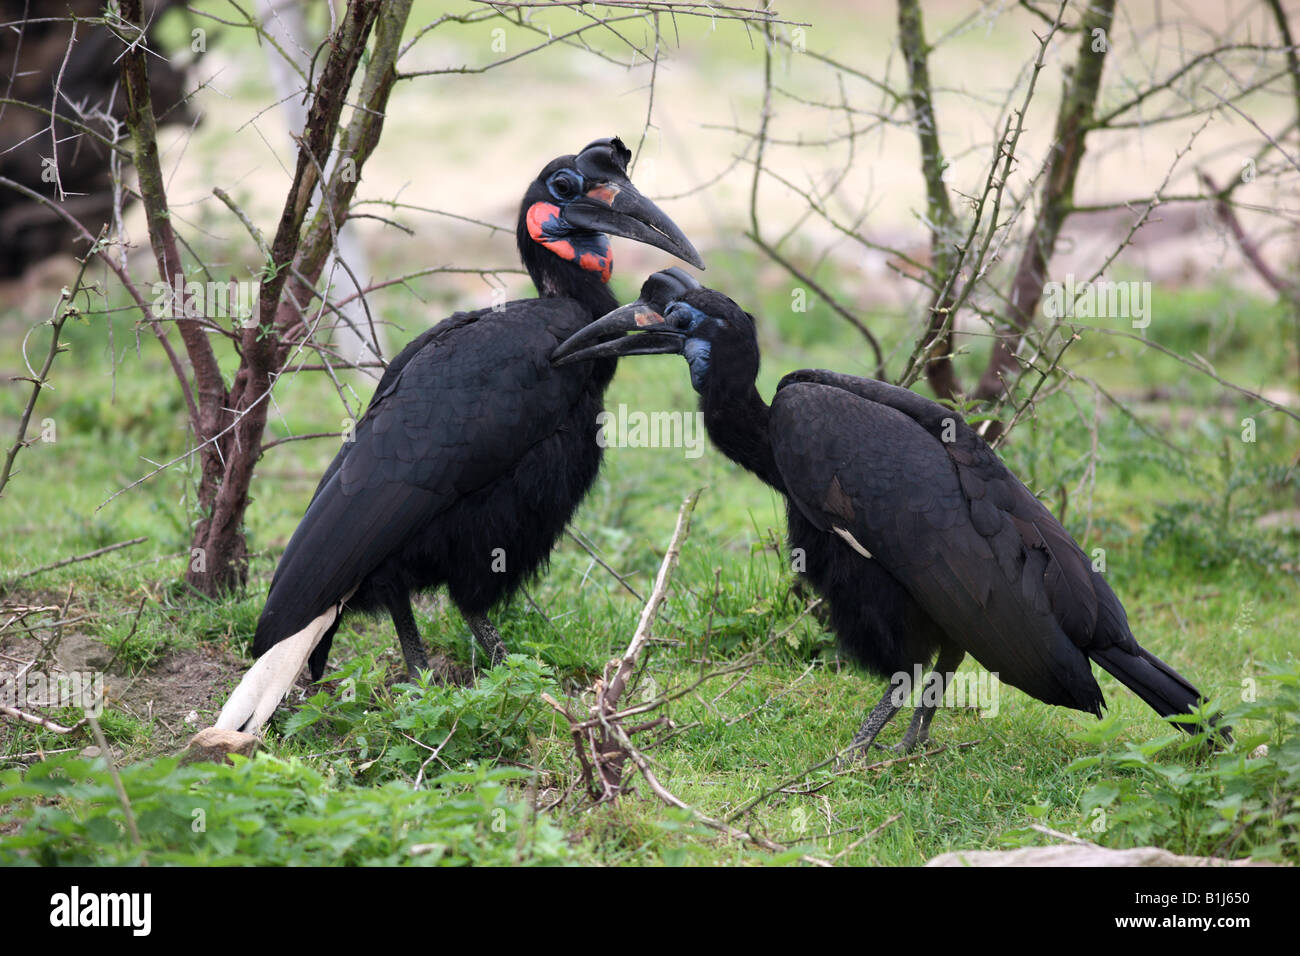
x: 617, y: 209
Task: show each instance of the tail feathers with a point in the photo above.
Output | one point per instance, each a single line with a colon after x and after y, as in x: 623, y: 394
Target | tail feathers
x: 1165, y: 690
x: 269, y: 679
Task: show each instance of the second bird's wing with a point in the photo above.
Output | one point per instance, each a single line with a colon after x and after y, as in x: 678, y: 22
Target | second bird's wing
x: 914, y: 486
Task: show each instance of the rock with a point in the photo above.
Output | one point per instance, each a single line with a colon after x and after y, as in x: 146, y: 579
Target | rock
x: 1075, y: 855
x: 215, y: 746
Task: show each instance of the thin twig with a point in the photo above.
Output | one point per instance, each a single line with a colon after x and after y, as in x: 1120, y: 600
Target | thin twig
x: 73, y: 560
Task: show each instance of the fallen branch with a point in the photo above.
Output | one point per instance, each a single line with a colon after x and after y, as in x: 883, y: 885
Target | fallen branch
x: 73, y: 560
x: 608, y: 753
x: 45, y: 722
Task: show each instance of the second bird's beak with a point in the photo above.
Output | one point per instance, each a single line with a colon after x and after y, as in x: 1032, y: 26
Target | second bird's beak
x: 607, y: 337
x: 616, y: 208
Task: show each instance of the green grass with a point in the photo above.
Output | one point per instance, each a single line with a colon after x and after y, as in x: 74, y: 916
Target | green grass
x: 1205, y: 589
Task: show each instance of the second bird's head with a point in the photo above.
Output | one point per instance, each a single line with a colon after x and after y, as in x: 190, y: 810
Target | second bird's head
x: 576, y: 203
x: 676, y: 315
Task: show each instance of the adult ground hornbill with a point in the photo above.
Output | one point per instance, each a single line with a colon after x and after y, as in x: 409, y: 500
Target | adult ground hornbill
x: 474, y: 451
x: 920, y: 539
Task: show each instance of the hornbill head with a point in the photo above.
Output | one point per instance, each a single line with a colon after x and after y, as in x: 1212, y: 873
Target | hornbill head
x: 675, y: 315
x: 577, y: 202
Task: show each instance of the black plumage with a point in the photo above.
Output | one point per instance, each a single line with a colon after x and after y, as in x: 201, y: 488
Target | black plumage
x: 924, y: 544
x: 474, y: 451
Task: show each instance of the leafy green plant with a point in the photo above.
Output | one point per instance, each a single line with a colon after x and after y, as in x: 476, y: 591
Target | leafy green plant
x: 1218, y: 530
x: 397, y: 730
x: 1166, y: 792
x: 266, y: 812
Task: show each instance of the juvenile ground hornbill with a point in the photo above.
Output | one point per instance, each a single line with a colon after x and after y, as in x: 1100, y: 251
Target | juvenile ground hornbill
x: 474, y: 451
x: 922, y: 542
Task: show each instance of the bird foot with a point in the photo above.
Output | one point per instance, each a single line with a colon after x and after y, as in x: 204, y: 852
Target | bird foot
x: 488, y: 637
x: 856, y: 757
x: 906, y: 746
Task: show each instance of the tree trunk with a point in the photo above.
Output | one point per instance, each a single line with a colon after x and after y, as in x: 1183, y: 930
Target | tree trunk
x: 1073, y: 121
x: 229, y: 423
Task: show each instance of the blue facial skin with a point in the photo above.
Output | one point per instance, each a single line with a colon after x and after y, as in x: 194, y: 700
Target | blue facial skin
x: 565, y: 184
x: 696, y: 350
x: 697, y: 356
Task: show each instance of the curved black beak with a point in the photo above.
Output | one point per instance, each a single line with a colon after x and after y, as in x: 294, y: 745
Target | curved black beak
x: 615, y: 207
x: 613, y: 336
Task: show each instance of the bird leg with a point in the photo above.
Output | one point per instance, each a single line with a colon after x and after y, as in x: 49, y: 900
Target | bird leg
x: 488, y: 637
x: 408, y: 635
x: 880, y: 715
x: 918, y: 731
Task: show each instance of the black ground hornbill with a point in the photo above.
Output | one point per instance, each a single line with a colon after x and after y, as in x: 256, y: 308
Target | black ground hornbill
x: 923, y: 543
x: 474, y: 451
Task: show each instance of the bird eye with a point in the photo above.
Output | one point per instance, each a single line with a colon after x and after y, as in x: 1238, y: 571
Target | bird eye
x: 564, y: 185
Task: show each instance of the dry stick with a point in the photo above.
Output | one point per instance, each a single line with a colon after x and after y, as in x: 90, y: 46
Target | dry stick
x: 1004, y: 150
x: 54, y: 106
x: 32, y: 629
x: 66, y: 561
x: 20, y: 612
x: 51, y: 648
x: 643, y: 764
x: 875, y: 831
x: 755, y: 233
x: 130, y: 634
x: 434, y: 751
x: 1058, y: 835
x: 996, y: 440
x: 1262, y: 132
x: 119, y: 270
x: 42, y: 754
x: 881, y: 765
x: 740, y: 667
x: 117, y: 780
x: 588, y: 777
x: 609, y: 759
x: 1073, y: 122
x: 310, y: 435
x: 650, y: 104
x: 906, y: 758
x: 1228, y: 216
x: 208, y: 381
x: 939, y: 215
x: 38, y: 383
x: 49, y: 725
x: 597, y: 558
x: 82, y: 129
